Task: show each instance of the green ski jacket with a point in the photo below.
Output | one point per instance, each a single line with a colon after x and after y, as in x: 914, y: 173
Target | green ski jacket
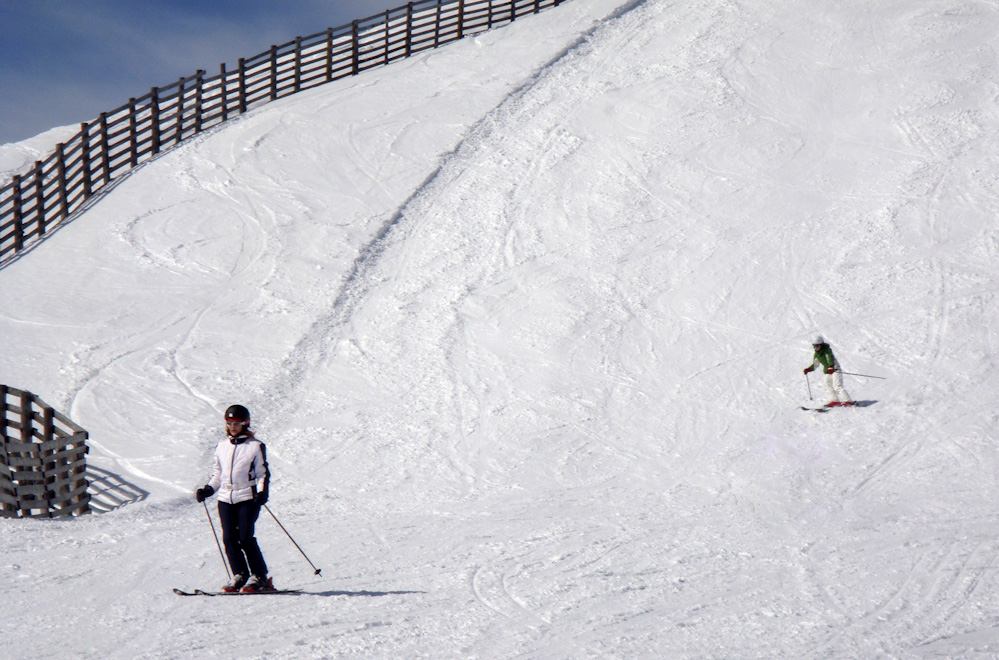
x: 824, y: 358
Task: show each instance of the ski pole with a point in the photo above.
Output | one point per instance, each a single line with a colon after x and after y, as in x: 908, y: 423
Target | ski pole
x: 224, y: 562
x: 847, y: 373
x: 809, y: 384
x: 318, y: 571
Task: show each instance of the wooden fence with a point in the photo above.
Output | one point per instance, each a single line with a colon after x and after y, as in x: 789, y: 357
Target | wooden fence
x: 32, y: 203
x: 43, y: 459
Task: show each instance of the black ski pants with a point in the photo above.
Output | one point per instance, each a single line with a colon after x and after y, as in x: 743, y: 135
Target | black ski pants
x: 240, y: 543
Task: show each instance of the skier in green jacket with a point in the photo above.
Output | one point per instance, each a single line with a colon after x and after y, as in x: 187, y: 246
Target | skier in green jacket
x: 833, y: 376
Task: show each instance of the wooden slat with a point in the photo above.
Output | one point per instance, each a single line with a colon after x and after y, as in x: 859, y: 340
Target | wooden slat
x: 23, y: 462
x: 21, y: 447
x: 65, y: 473
x: 64, y: 461
x: 26, y: 489
x: 73, y: 509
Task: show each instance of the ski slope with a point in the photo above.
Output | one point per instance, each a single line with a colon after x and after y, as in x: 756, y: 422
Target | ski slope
x: 522, y: 322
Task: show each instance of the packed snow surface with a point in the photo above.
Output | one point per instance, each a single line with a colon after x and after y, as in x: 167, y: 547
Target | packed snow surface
x: 523, y: 322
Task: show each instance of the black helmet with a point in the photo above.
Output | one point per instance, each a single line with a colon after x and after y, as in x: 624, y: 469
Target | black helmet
x: 237, y: 413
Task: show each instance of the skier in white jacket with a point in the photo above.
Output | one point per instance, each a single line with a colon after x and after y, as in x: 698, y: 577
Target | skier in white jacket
x: 241, y: 478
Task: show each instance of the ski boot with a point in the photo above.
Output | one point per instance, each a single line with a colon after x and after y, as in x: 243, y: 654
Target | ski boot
x: 257, y: 583
x: 237, y: 582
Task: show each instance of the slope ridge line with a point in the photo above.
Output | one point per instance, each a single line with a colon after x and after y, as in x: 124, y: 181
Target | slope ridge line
x: 358, y: 282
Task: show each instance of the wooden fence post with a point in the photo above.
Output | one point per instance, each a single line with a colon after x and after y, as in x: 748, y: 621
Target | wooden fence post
x: 61, y: 180
x: 49, y: 465
x: 388, y: 33
x: 461, y: 19
x: 88, y: 188
x: 298, y: 64
x: 355, y: 49
x: 198, y: 100
x: 18, y: 213
x: 78, y: 479
x: 409, y: 29
x: 154, y: 118
x: 105, y: 150
x: 274, y: 72
x: 28, y: 477
x: 133, y: 135
x: 180, y: 111
x: 329, y: 54
x: 3, y: 416
x: 437, y: 25
x: 39, y: 198
x: 242, y: 85
x: 223, y: 92
x: 8, y: 508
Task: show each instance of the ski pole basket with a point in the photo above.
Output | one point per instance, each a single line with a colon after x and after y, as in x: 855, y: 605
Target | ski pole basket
x: 43, y: 459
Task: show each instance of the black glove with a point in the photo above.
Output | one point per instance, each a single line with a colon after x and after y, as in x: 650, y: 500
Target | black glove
x: 203, y: 494
x: 260, y: 498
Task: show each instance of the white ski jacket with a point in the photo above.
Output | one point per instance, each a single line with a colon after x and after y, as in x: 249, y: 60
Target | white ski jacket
x: 240, y: 469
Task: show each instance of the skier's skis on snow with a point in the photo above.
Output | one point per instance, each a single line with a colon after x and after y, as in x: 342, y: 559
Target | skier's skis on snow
x: 202, y: 592
x: 829, y: 406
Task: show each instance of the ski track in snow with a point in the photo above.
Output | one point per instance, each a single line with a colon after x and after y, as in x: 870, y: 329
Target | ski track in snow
x: 522, y: 321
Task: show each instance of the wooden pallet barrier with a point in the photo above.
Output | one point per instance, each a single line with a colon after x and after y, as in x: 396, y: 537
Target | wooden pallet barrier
x: 43, y: 459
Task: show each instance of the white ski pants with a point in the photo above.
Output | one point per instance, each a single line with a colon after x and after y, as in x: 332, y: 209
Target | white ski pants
x: 834, y: 385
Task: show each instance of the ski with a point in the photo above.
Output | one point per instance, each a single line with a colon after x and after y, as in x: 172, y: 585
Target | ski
x: 831, y: 406
x: 202, y: 592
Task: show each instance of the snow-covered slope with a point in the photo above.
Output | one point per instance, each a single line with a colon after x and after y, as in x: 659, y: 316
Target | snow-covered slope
x: 522, y: 322
x: 20, y: 157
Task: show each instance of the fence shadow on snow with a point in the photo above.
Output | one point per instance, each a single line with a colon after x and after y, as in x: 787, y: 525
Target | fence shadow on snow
x: 108, y: 491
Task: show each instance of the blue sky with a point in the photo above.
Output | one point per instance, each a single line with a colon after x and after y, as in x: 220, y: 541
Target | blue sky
x: 66, y: 61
